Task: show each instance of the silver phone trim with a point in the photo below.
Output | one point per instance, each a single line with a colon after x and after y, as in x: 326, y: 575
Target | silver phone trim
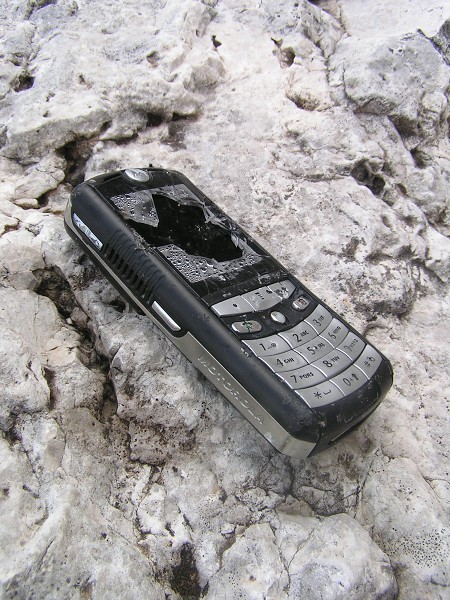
x: 220, y: 377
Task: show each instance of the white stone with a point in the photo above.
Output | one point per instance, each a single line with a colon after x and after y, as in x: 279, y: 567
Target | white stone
x: 322, y: 129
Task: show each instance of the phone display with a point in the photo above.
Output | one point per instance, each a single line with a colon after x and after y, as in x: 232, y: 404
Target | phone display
x: 299, y: 373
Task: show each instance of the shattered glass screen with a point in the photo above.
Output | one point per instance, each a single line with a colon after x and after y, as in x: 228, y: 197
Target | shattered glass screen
x: 194, y: 236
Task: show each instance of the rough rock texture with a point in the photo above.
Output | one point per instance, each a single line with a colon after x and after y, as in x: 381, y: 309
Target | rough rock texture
x: 322, y: 127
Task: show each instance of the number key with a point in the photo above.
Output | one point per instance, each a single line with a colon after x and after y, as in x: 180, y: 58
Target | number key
x: 298, y: 335
x: 315, y: 349
x: 350, y: 380
x: 286, y: 361
x: 267, y: 346
x: 320, y: 318
x: 369, y: 361
x: 335, y: 332
x: 352, y: 346
x: 321, y: 394
x: 332, y: 363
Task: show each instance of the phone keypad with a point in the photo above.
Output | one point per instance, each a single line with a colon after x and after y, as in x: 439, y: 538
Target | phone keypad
x: 283, y: 289
x: 316, y: 348
x: 368, y: 361
x: 335, y: 332
x: 303, y: 377
x: 313, y: 352
x: 352, y: 346
x: 350, y: 380
x: 332, y: 363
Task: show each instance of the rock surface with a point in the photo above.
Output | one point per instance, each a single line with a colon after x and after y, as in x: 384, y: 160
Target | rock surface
x: 323, y: 129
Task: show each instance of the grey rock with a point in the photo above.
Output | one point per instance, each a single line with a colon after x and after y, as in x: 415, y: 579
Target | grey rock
x: 119, y: 89
x: 123, y: 472
x: 25, y: 319
x: 397, y: 83
x: 425, y: 543
x: 319, y: 568
x: 441, y: 40
x: 262, y: 575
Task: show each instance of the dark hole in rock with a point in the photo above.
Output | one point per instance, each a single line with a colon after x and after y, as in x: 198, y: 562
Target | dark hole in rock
x: 185, y: 578
x: 287, y: 57
x: 360, y: 173
x: 154, y: 120
x: 377, y: 185
x: 153, y: 58
x: 421, y: 159
x: 24, y: 82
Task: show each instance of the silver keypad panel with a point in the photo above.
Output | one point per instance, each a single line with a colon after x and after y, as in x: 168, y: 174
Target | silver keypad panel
x: 258, y: 299
x: 318, y: 358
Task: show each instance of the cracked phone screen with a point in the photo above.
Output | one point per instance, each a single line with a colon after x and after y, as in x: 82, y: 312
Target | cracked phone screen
x: 192, y: 234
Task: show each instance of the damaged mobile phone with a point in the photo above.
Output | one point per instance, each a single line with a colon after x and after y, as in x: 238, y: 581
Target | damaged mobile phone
x: 301, y: 375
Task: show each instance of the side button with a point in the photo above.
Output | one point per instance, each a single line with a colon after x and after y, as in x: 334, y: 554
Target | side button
x: 167, y: 319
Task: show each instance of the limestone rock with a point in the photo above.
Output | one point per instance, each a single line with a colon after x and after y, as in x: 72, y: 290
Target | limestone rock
x: 319, y: 568
x: 119, y: 90
x: 401, y: 93
x: 321, y: 127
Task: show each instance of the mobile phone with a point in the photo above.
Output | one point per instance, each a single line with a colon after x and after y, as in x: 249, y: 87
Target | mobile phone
x: 299, y: 373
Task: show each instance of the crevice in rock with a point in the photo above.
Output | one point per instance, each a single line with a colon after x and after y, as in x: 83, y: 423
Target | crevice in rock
x: 109, y: 404
x: 49, y: 375
x: 54, y: 286
x: 216, y: 43
x: 305, y: 103
x: 406, y: 127
x: 35, y: 5
x: 8, y: 228
x: 43, y: 200
x: 11, y: 435
x: 76, y: 154
x: 441, y: 41
x: 177, y: 130
x: 184, y: 579
x: 123, y: 141
x: 285, y: 55
x: 349, y: 250
x: 153, y: 58
x: 120, y: 305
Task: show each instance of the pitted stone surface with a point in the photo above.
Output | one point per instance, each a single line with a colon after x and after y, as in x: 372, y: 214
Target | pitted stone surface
x: 322, y: 128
